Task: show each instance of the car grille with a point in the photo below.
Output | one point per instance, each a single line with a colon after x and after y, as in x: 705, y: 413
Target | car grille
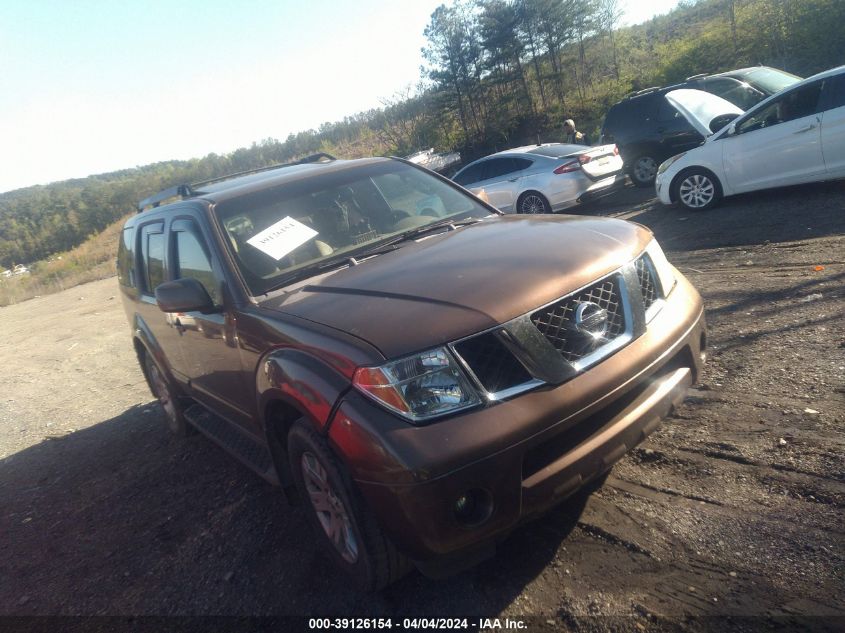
x: 648, y: 284
x: 491, y: 362
x: 501, y: 374
x: 557, y: 321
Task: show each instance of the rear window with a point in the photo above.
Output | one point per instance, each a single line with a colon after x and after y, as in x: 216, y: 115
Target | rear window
x: 126, y: 259
x: 628, y: 113
x: 557, y: 151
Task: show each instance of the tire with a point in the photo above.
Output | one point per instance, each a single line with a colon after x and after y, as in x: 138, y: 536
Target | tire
x: 344, y: 524
x: 643, y: 170
x: 697, y: 189
x: 164, y: 392
x: 532, y: 203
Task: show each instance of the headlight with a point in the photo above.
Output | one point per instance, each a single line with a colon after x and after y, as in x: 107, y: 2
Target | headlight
x: 665, y: 272
x: 420, y: 386
x: 666, y: 164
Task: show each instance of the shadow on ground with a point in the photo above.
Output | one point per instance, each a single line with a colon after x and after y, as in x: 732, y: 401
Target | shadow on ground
x: 123, y: 518
x: 774, y: 215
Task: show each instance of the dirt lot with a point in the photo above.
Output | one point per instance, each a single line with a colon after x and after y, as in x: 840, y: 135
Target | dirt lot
x: 735, y: 506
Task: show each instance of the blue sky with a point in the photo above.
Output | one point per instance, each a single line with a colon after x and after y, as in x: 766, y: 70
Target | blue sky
x: 93, y: 86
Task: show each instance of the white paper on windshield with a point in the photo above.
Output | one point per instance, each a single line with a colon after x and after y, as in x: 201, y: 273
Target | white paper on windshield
x: 282, y: 237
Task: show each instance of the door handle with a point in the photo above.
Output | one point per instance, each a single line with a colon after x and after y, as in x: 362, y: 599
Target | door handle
x: 805, y: 129
x: 513, y: 179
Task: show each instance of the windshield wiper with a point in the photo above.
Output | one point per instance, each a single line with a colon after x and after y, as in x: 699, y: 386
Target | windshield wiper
x: 352, y: 259
x: 312, y: 269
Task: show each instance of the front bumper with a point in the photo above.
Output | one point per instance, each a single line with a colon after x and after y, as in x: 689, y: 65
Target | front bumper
x: 662, y: 184
x: 529, y: 452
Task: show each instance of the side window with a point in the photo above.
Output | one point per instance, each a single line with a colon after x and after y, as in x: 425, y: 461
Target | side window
x: 833, y: 92
x: 521, y: 163
x: 666, y: 112
x: 126, y: 259
x: 497, y: 167
x: 796, y: 104
x: 192, y: 259
x: 152, y: 256
x: 470, y: 175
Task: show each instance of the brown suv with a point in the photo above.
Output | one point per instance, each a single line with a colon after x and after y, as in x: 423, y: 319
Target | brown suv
x: 422, y: 371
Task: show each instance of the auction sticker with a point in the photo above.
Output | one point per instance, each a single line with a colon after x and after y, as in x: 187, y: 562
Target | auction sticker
x: 282, y: 237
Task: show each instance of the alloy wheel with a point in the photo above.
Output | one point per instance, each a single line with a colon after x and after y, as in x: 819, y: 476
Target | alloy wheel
x: 531, y: 204
x: 696, y: 191
x: 645, y: 169
x: 162, y: 392
x: 329, y: 507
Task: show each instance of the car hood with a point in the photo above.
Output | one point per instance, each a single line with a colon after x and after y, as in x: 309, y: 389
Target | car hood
x: 442, y: 288
x: 700, y: 108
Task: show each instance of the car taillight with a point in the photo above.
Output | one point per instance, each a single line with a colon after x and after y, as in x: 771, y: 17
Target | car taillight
x: 615, y: 151
x: 584, y: 159
x: 568, y: 167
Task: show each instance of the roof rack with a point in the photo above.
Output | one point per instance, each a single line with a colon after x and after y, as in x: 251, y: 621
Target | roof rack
x: 698, y: 76
x: 637, y: 93
x: 188, y: 191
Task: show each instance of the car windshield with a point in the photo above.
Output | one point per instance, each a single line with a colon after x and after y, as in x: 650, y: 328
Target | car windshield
x: 306, y: 224
x: 770, y: 79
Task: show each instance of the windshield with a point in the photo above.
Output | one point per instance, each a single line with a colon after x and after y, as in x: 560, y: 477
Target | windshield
x: 342, y: 213
x: 770, y: 79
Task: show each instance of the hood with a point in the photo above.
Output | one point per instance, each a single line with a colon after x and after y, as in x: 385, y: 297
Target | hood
x: 461, y: 282
x: 700, y: 108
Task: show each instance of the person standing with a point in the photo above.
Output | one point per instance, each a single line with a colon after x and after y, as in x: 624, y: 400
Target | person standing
x: 573, y: 135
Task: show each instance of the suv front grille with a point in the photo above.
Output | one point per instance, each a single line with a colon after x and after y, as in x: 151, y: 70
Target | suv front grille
x: 648, y: 284
x: 547, y: 346
x: 557, y: 321
x: 491, y: 362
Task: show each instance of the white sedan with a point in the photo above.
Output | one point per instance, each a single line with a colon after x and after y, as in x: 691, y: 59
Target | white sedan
x: 795, y: 136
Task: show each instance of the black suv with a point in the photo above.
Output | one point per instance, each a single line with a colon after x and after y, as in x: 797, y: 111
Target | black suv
x: 647, y: 129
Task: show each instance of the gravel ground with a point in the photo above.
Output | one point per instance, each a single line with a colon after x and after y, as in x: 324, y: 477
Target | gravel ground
x: 732, y: 508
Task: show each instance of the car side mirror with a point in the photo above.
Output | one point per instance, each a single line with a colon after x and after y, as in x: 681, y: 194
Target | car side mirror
x: 721, y: 121
x: 183, y: 295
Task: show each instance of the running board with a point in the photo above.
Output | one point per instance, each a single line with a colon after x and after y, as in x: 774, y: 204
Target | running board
x: 248, y: 449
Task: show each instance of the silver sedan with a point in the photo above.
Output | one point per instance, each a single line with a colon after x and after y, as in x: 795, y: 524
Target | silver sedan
x: 543, y: 178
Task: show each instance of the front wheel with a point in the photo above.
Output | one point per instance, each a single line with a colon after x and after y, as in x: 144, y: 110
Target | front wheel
x: 343, y: 522
x: 697, y: 189
x: 532, y: 202
x: 644, y: 170
x: 167, y: 398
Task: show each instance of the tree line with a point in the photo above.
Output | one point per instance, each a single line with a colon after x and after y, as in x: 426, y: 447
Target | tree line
x: 496, y: 74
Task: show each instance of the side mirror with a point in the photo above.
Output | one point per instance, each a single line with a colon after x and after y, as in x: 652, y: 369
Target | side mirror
x: 183, y: 295
x: 721, y: 121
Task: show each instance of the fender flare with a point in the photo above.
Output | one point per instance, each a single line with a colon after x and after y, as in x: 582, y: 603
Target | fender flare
x: 292, y: 384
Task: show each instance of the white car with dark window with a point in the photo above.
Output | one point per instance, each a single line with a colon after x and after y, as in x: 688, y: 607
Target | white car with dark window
x: 543, y: 178
x: 795, y: 136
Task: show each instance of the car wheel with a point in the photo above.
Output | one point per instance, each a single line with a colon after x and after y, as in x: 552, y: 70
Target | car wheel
x: 532, y: 202
x: 348, y: 529
x: 644, y: 170
x: 697, y: 189
x: 166, y: 395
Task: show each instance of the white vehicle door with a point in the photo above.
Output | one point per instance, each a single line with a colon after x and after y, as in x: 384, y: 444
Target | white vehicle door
x: 500, y: 181
x: 833, y: 125
x: 777, y: 144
